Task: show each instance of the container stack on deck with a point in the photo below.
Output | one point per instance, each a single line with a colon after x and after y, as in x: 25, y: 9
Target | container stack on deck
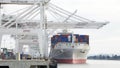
x: 68, y: 39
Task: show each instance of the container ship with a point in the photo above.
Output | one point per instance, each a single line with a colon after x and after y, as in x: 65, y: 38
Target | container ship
x: 69, y: 48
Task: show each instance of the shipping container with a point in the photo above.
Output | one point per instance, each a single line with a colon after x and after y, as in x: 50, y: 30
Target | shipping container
x: 84, y: 38
x: 68, y: 39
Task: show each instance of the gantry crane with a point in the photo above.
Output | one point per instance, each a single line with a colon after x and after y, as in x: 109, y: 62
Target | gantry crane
x: 19, y: 25
x: 24, y: 24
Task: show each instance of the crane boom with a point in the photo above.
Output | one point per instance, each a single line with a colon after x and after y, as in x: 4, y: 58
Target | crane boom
x: 25, y: 2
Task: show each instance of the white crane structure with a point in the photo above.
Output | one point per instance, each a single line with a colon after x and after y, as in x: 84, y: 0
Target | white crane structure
x: 31, y: 24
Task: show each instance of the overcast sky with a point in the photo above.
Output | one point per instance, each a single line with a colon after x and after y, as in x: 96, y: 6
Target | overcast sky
x: 104, y: 40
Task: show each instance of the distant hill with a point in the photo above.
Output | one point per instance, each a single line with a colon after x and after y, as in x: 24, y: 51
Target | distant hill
x: 104, y: 57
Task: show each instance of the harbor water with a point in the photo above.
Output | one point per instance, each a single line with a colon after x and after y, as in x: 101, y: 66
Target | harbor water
x: 93, y: 64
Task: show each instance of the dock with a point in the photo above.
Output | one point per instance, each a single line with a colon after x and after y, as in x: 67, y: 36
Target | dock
x: 24, y: 64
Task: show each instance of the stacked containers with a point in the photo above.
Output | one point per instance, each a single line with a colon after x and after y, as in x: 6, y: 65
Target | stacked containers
x: 84, y: 39
x: 81, y: 37
x: 61, y: 38
x: 54, y: 40
x: 68, y: 38
x: 76, y: 38
x: 64, y: 38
